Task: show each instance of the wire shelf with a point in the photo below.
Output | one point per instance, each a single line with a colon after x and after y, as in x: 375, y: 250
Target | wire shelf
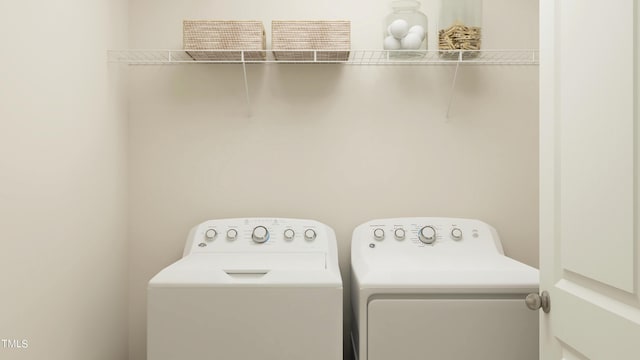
x: 355, y: 57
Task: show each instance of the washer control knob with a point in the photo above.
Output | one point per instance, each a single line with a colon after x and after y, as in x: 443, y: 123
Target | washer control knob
x: 232, y: 234
x: 399, y: 234
x: 260, y: 234
x: 309, y: 234
x: 427, y: 235
x: 456, y: 234
x: 378, y: 234
x: 210, y: 234
x: 289, y: 234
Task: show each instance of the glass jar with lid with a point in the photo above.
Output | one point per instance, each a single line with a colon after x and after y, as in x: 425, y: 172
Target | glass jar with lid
x: 460, y: 28
x: 405, y: 29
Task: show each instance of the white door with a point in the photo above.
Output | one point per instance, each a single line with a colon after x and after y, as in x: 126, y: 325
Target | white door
x: 589, y: 174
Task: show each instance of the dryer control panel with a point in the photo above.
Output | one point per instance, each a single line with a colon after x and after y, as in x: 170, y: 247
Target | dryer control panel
x: 259, y: 235
x: 438, y: 234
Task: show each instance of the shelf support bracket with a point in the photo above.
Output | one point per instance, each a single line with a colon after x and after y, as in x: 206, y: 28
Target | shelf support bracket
x: 246, y: 85
x: 453, y: 85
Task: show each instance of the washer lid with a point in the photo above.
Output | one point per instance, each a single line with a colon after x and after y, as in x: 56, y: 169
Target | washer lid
x: 256, y: 269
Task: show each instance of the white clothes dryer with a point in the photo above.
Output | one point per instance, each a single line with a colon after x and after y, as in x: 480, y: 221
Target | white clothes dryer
x: 254, y: 288
x: 439, y: 288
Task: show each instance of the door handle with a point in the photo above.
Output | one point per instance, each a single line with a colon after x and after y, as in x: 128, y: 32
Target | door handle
x: 542, y: 301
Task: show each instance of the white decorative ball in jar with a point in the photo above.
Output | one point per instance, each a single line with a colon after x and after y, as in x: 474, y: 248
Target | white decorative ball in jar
x: 405, y: 30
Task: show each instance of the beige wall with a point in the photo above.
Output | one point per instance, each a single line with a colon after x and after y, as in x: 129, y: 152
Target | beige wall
x: 342, y: 145
x: 63, y: 253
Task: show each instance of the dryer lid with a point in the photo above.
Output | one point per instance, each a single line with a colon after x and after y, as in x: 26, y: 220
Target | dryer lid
x: 435, y: 253
x: 488, y: 273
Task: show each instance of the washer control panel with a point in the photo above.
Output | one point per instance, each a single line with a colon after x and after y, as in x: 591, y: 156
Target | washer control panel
x: 427, y: 232
x: 259, y: 234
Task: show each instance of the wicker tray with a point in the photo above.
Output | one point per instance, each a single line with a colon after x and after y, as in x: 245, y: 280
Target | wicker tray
x: 224, y: 35
x: 289, y: 36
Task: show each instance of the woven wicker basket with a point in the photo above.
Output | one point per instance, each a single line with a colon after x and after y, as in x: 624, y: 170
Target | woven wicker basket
x: 224, y: 35
x: 334, y: 36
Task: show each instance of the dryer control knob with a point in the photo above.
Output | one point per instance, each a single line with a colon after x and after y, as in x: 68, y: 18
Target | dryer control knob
x: 399, y: 234
x: 232, y: 234
x: 210, y: 234
x: 289, y: 234
x: 456, y: 234
x: 310, y: 234
x: 260, y: 234
x: 427, y: 235
x: 378, y: 234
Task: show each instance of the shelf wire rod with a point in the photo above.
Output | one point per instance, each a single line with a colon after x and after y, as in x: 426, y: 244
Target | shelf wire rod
x: 246, y: 85
x: 453, y: 89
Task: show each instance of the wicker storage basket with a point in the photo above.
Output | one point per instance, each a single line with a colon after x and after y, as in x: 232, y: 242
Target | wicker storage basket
x: 224, y: 35
x: 334, y: 36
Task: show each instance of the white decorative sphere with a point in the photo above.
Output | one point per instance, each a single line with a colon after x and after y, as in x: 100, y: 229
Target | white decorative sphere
x: 391, y: 43
x: 417, y: 29
x: 411, y: 42
x: 399, y: 28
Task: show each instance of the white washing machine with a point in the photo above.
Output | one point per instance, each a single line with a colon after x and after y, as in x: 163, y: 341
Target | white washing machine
x: 255, y: 288
x: 439, y: 288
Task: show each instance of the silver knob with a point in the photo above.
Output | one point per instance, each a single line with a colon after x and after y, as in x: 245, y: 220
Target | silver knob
x: 210, y: 234
x: 542, y: 301
x: 260, y: 234
x: 456, y: 234
x: 427, y: 235
x: 289, y: 234
x: 232, y: 234
x: 378, y: 234
x: 399, y: 234
x: 309, y: 234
